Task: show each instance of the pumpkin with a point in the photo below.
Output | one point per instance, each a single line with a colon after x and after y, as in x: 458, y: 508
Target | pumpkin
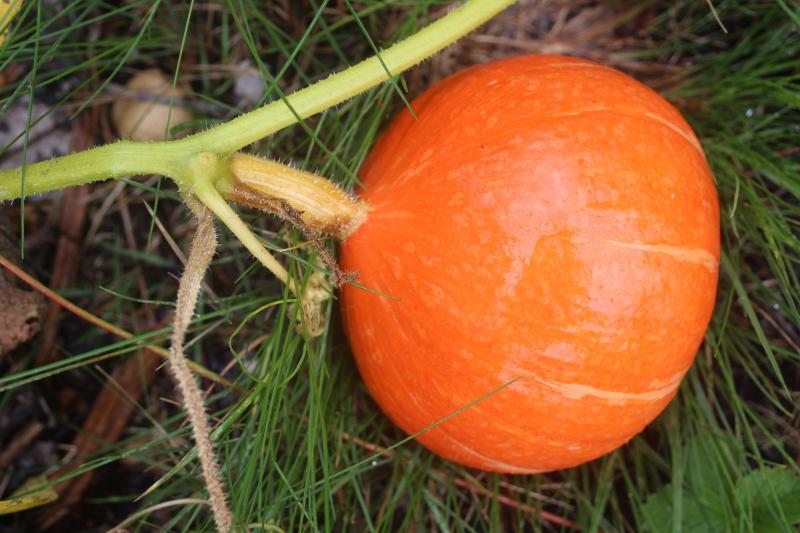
x: 544, y: 236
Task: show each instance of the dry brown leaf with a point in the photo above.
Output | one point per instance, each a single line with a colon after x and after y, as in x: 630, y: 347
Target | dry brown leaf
x: 20, y: 310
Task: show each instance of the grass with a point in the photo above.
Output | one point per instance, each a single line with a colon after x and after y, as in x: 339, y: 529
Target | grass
x: 299, y: 445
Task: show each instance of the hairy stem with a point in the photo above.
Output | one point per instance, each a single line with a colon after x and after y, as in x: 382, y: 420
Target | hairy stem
x: 123, y: 158
x: 249, y: 128
x: 170, y: 158
x: 204, y: 245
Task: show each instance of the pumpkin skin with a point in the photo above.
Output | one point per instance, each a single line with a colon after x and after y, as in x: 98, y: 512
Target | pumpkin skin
x: 548, y: 231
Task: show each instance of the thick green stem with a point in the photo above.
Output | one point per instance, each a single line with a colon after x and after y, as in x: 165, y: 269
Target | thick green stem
x: 249, y: 128
x: 171, y: 158
x: 123, y: 158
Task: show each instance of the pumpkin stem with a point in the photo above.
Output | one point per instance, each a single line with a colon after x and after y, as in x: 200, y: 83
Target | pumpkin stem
x: 309, y: 201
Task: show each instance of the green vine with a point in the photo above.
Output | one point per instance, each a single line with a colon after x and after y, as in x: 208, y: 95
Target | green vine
x: 174, y: 158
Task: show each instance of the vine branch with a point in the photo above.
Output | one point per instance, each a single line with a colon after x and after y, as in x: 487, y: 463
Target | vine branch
x: 170, y: 158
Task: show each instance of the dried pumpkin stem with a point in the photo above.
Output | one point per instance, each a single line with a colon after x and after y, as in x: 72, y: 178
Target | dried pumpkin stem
x: 317, y: 202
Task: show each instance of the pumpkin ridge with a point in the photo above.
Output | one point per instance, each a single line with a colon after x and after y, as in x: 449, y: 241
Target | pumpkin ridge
x: 699, y: 256
x: 576, y: 391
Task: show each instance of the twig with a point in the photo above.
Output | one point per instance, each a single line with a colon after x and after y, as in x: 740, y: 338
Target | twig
x: 20, y: 443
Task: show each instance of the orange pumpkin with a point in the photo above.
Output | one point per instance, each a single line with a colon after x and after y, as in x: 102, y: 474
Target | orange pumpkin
x: 547, y: 232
